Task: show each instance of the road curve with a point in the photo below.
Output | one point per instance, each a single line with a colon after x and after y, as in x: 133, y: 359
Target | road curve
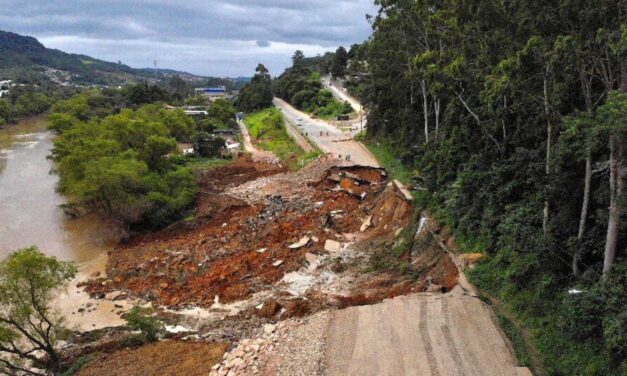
x: 327, y: 137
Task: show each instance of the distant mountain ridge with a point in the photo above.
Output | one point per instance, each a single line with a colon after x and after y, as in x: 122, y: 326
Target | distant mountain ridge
x: 24, y: 58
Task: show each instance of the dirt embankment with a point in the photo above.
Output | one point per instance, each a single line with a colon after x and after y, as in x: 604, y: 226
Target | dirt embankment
x: 268, y: 244
x: 251, y: 221
x: 174, y: 358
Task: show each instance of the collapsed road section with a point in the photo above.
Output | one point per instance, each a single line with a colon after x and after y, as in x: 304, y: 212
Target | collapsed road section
x: 308, y: 273
x: 272, y: 244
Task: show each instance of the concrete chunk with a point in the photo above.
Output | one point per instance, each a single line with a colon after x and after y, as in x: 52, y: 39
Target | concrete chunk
x: 277, y: 263
x: 301, y: 243
x: 332, y: 246
x: 366, y: 224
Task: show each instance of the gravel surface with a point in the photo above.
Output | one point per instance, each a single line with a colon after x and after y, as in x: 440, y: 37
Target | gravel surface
x: 302, y: 352
x: 292, y: 347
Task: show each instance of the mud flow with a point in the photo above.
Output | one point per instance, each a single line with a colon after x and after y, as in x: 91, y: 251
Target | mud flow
x: 271, y: 244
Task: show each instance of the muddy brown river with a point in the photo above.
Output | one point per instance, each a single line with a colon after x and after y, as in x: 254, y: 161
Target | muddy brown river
x: 29, y: 212
x: 30, y: 215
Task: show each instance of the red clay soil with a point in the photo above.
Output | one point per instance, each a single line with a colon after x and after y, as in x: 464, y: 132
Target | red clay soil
x: 219, y: 254
x: 173, y: 358
x: 220, y: 257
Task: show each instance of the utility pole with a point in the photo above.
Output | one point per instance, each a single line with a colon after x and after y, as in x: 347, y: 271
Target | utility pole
x: 156, y: 71
x: 361, y: 118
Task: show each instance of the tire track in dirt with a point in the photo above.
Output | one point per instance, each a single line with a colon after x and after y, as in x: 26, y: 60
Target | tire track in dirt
x: 446, y: 332
x: 343, y: 329
x: 471, y: 360
x: 426, y: 339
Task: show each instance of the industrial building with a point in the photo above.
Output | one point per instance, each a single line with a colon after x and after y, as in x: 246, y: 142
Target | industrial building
x: 212, y: 93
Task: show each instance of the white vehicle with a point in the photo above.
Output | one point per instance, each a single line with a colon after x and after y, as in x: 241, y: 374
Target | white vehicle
x: 300, y: 119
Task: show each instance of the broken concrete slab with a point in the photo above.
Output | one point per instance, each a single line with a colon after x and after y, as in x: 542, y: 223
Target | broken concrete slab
x: 332, y: 246
x: 311, y: 258
x: 366, y: 224
x: 406, y: 194
x: 313, y: 261
x: 304, y: 241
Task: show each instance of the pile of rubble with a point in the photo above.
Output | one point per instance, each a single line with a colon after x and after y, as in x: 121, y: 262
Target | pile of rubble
x: 275, y: 246
x: 245, y: 248
x: 293, y: 347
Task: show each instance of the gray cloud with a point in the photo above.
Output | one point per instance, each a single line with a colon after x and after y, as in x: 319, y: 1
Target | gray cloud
x: 212, y: 37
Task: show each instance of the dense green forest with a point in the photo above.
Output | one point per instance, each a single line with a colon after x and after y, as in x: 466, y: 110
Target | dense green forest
x: 301, y: 85
x: 514, y: 117
x: 116, y: 153
x: 30, y: 100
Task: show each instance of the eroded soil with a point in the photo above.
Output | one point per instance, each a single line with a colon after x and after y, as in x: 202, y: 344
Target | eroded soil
x: 175, y: 358
x: 267, y: 244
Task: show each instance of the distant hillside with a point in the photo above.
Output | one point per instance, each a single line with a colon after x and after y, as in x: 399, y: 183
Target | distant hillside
x: 25, y: 59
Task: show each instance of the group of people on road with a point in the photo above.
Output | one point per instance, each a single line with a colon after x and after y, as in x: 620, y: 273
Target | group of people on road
x: 346, y: 157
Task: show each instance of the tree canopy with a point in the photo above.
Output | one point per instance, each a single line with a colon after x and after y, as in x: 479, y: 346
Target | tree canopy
x: 510, y: 113
x: 257, y: 94
x: 28, y: 323
x: 119, y: 165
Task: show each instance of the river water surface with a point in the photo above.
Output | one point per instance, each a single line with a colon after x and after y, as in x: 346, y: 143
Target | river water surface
x: 29, y: 215
x: 29, y: 212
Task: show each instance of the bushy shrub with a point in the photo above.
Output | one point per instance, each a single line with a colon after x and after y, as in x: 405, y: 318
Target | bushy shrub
x: 120, y: 167
x: 207, y: 145
x: 142, y: 319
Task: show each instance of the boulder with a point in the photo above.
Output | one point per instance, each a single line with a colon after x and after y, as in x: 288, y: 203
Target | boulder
x: 269, y: 309
x: 269, y: 328
x: 366, y: 224
x: 332, y: 246
x: 277, y: 263
x: 115, y: 295
x: 304, y: 241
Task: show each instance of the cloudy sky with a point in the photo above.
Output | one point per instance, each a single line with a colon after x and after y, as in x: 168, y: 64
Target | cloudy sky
x: 209, y: 37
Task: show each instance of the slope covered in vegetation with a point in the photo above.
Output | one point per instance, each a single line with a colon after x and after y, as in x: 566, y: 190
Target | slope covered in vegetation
x: 513, y: 115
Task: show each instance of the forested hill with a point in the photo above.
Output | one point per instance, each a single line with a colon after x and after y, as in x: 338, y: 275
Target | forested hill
x: 514, y: 116
x: 24, y: 58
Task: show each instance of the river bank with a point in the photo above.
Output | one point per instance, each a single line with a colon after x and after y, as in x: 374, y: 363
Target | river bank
x: 29, y: 206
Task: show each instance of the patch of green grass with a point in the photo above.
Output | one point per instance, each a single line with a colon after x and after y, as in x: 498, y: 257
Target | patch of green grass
x: 267, y: 130
x: 516, y: 338
x: 333, y: 109
x: 77, y: 365
x: 198, y: 164
x: 383, y: 152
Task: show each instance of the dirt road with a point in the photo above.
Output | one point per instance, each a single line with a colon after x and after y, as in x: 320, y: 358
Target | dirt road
x: 257, y: 155
x: 340, y: 93
x: 451, y: 334
x: 336, y: 142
